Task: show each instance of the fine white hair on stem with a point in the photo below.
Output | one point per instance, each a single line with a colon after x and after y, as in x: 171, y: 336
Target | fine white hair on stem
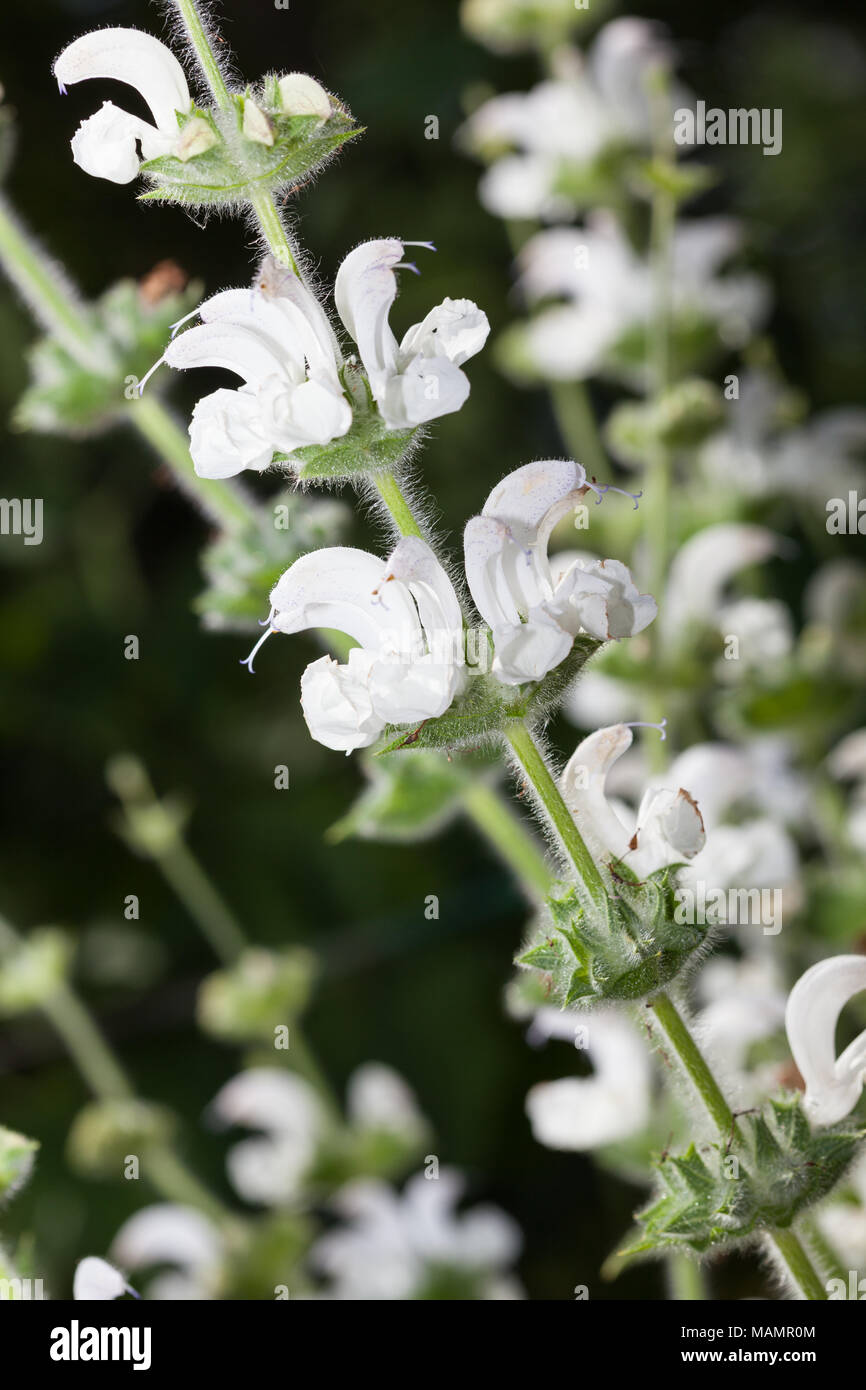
x: 181, y: 42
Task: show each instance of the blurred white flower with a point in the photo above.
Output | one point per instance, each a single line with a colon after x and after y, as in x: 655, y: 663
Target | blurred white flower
x: 106, y: 145
x: 579, y: 1113
x: 833, y: 1084
x: 847, y: 762
x: 669, y: 828
x: 764, y: 634
x: 177, y: 1236
x: 843, y: 1221
x: 703, y: 566
x: 405, y: 616
x: 743, y: 1003
x: 608, y: 291
x: 535, y: 607
x: 377, y: 1098
x: 270, y: 1169
x: 394, y: 1246
x: 537, y: 139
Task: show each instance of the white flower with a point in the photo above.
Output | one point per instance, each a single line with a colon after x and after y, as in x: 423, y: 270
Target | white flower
x: 270, y: 1170
x: 405, y: 615
x: 843, y: 1221
x: 744, y: 1002
x: 565, y: 122
x: 703, y: 566
x: 97, y: 1279
x: 394, y: 1246
x: 578, y: 1113
x: 106, y: 145
x: 534, y: 611
x: 277, y: 338
x: 669, y: 828
x: 608, y: 290
x: 764, y: 634
x: 420, y: 378
x: 178, y: 1236
x: 378, y: 1099
x: 833, y: 1084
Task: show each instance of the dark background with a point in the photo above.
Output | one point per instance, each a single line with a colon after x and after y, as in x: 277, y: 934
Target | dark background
x: 120, y: 556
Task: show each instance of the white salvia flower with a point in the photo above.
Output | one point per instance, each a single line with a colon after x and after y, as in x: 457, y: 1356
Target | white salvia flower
x: 833, y: 1084
x: 270, y: 1169
x: 302, y: 95
x: 564, y: 122
x: 669, y: 828
x: 393, y: 1244
x: 579, y: 1113
x: 843, y: 1221
x: 170, y: 1234
x: 418, y: 379
x: 405, y: 616
x: 106, y: 145
x: 277, y: 338
x: 97, y: 1279
x: 764, y: 631
x: 533, y: 607
x: 703, y: 566
x: 609, y: 291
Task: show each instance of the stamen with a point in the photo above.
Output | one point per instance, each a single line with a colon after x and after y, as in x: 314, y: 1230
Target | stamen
x: 602, y: 488
x: 63, y: 91
x: 265, y: 622
x: 642, y: 724
x: 146, y: 378
x: 186, y: 318
x: 407, y: 265
x: 248, y: 660
x: 427, y: 245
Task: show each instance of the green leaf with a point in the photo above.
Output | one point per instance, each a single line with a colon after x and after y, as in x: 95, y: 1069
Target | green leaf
x: 407, y: 799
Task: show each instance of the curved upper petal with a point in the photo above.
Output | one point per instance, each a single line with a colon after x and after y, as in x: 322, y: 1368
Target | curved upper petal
x: 702, y: 567
x: 96, y: 1279
x: 248, y: 351
x: 133, y: 57
x: 167, y: 1233
x: 532, y: 499
x: 364, y: 291
x: 342, y: 588
x: 833, y: 1085
x: 583, y: 788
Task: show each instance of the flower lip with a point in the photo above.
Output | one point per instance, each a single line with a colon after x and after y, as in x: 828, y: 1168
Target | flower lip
x: 131, y: 56
x: 833, y: 1084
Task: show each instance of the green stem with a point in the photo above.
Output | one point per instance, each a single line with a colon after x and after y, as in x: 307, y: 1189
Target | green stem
x: 577, y: 425
x: 171, y: 1177
x: 47, y: 292
x: 693, y: 1062
x: 272, y: 227
x: 220, y: 501
x: 197, y: 35
x: 792, y: 1251
x: 531, y: 759
x: 391, y: 494
x: 824, y: 1252
x: 686, y: 1279
x: 204, y: 904
x: 509, y: 837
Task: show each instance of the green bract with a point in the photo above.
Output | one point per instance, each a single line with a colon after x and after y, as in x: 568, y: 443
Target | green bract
x: 627, y: 949
x: 288, y: 150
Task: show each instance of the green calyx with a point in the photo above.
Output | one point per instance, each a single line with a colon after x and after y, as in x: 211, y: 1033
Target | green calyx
x: 251, y: 147
x: 626, y: 949
x: 771, y: 1168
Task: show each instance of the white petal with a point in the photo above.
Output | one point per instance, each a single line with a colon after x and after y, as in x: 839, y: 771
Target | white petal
x: 337, y: 704
x: 833, y: 1085
x: 429, y: 388
x: 414, y: 564
x: 226, y: 435
x: 341, y: 587
x: 133, y: 57
x: 532, y: 499
x: 456, y: 329
x: 269, y: 1173
x: 527, y: 651
x: 302, y: 95
x: 378, y: 1098
x: 615, y: 609
x: 670, y: 829
x: 364, y: 291
x: 168, y: 1234
x: 97, y: 1279
x: 106, y: 145
x: 582, y: 1113
x: 583, y: 787
x: 248, y: 351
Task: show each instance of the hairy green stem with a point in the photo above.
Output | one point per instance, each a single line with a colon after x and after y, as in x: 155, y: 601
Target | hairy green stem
x: 401, y: 513
x: 533, y: 763
x: 220, y: 501
x: 509, y: 837
x: 693, y: 1062
x: 206, y: 907
x: 197, y: 35
x: 802, y: 1271
x: 685, y: 1279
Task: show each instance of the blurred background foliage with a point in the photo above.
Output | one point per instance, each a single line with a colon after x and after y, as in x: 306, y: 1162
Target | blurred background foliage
x: 121, y: 556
